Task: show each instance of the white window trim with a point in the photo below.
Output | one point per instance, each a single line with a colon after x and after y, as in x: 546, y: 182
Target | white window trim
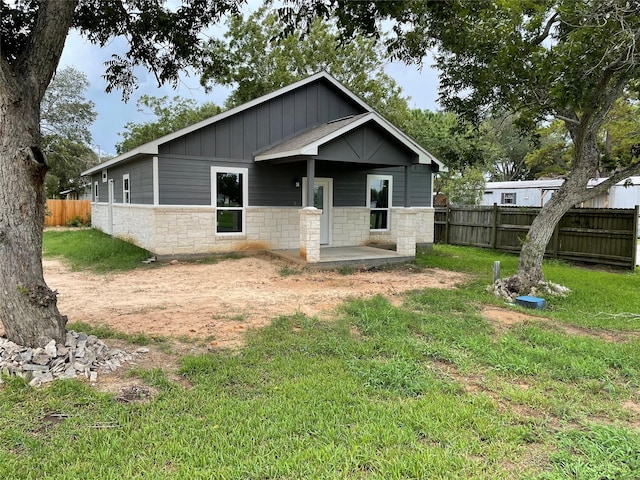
x: 503, y: 197
x: 388, y: 208
x: 105, y: 176
x: 245, y: 196
x: 124, y: 192
x: 96, y: 192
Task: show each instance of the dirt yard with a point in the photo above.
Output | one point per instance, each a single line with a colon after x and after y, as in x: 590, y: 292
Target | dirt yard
x: 219, y: 302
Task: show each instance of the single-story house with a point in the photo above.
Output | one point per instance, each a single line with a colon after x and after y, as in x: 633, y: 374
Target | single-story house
x: 81, y: 192
x: 306, y: 166
x: 524, y: 193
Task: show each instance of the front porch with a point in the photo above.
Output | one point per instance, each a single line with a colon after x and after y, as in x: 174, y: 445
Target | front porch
x: 357, y: 257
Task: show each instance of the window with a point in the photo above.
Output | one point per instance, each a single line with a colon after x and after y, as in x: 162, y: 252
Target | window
x: 126, y: 189
x: 379, y: 194
x: 229, y: 196
x: 508, y: 198
x: 104, y: 176
x: 96, y: 192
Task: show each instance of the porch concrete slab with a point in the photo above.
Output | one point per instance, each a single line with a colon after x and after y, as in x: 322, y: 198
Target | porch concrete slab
x: 358, y: 257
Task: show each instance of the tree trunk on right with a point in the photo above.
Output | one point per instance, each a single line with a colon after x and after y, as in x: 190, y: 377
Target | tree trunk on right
x: 573, y: 191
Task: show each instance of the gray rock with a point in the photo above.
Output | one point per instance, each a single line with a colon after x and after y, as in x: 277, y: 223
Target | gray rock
x: 27, y: 355
x: 71, y: 340
x: 50, y: 349
x: 142, y: 350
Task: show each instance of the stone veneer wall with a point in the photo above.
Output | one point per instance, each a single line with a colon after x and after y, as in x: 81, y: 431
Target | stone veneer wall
x: 278, y: 228
x: 100, y: 216
x: 191, y: 230
x: 351, y: 227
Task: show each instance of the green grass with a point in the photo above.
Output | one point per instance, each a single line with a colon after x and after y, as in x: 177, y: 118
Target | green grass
x: 428, y: 389
x: 92, y: 250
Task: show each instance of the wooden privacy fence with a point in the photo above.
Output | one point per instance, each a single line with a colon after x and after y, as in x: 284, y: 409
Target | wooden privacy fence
x: 59, y: 212
x: 595, y: 235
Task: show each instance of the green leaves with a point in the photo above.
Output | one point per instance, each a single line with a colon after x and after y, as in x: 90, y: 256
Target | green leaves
x: 256, y: 58
x: 172, y: 115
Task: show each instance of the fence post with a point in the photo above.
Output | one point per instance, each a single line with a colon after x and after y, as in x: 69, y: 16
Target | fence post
x: 634, y: 237
x: 494, y: 230
x: 446, y: 226
x: 556, y: 240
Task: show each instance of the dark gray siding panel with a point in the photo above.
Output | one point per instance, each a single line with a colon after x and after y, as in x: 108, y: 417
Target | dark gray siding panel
x: 276, y: 113
x: 223, y: 139
x: 261, y: 126
x: 187, y: 181
x: 140, y: 180
x: 420, y: 181
x: 250, y: 132
x: 275, y: 185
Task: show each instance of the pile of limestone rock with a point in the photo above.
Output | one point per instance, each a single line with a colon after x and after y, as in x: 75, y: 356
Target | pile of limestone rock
x: 81, y: 355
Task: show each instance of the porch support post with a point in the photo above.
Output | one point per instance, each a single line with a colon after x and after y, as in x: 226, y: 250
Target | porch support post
x: 406, y: 219
x: 407, y: 187
x: 311, y: 175
x: 310, y: 234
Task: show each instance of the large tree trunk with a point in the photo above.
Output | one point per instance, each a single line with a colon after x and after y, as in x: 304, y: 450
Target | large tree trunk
x: 28, y: 308
x: 573, y: 191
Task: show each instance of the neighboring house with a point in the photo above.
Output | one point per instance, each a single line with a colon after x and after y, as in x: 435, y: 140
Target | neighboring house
x: 525, y: 193
x: 241, y: 179
x: 535, y: 193
x: 83, y: 192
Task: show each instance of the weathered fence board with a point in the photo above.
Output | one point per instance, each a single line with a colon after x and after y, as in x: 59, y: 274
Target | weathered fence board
x: 59, y: 212
x: 595, y: 235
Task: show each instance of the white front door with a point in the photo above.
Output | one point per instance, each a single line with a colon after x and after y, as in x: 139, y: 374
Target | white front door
x: 322, y: 199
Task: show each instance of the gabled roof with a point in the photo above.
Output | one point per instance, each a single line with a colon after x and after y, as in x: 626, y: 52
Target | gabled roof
x: 307, y: 143
x: 151, y: 148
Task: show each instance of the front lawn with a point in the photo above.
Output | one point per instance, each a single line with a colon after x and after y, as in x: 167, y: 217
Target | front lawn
x: 428, y: 389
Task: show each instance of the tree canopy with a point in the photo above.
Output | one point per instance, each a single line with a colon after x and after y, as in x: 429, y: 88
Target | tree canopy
x: 255, y: 59
x: 66, y: 117
x: 170, y: 115
x: 568, y: 60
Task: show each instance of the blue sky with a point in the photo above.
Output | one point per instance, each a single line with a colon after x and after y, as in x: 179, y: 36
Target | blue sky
x: 114, y: 113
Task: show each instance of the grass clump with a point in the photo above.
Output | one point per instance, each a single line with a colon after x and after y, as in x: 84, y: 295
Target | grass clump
x: 93, y: 250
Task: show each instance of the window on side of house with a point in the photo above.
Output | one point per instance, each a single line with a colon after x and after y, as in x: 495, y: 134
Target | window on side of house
x: 104, y: 176
x: 379, y: 194
x: 96, y: 192
x: 229, y: 196
x: 126, y: 189
x: 508, y: 198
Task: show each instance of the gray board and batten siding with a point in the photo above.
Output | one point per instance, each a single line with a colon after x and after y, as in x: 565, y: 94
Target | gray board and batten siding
x: 242, y: 135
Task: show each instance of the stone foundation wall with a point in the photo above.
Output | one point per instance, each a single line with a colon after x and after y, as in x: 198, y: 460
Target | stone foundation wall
x: 100, y: 216
x: 191, y: 230
x: 350, y: 226
x: 276, y: 228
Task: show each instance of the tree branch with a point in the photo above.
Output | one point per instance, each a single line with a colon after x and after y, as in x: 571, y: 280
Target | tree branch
x: 40, y: 58
x: 612, y: 180
x: 543, y: 36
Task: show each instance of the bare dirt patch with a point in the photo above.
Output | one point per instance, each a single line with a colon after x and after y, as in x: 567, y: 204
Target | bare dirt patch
x: 502, y: 319
x: 219, y: 302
